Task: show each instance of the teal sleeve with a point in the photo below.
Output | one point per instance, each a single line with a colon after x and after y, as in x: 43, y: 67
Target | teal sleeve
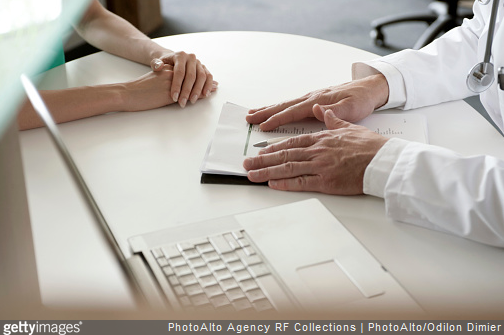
x: 58, y: 56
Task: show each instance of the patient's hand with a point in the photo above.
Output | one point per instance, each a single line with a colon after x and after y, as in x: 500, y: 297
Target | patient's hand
x: 151, y: 90
x: 191, y: 79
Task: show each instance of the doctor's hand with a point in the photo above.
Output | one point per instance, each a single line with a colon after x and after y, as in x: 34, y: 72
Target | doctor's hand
x: 149, y: 90
x: 352, y: 102
x: 191, y: 79
x: 332, y: 161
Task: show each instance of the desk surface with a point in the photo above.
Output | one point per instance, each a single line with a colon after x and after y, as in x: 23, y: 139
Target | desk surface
x: 143, y: 169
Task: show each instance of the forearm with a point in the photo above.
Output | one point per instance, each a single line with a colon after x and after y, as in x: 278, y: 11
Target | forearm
x: 74, y: 103
x: 117, y: 36
x: 146, y: 92
x: 433, y: 74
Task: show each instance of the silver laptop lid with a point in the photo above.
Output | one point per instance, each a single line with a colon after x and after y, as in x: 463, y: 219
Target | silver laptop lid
x: 42, y: 110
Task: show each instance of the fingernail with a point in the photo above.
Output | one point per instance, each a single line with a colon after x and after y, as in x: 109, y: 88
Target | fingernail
x: 175, y: 97
x: 207, y: 93
x: 194, y: 98
x: 183, y: 102
x: 158, y: 64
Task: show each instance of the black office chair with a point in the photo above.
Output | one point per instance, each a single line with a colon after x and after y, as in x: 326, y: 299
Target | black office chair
x: 443, y: 16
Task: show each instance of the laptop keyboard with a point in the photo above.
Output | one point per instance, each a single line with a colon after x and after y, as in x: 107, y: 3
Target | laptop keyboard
x: 219, y: 272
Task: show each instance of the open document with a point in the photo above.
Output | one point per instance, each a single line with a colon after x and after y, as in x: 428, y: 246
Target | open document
x: 234, y: 138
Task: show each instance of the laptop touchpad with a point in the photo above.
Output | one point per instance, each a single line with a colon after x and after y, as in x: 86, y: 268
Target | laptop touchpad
x: 329, y: 284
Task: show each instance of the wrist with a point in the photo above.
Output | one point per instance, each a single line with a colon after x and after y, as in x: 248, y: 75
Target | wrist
x: 380, y: 89
x: 123, y: 97
x: 159, y: 53
x: 113, y: 97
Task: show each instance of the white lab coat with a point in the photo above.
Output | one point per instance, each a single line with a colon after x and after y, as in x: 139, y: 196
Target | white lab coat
x: 430, y: 186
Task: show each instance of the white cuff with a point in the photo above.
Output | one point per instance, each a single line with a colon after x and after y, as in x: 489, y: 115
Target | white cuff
x: 378, y: 171
x: 395, y: 81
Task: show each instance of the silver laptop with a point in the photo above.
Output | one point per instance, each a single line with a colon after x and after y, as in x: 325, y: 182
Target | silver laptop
x: 291, y: 257
x: 19, y: 286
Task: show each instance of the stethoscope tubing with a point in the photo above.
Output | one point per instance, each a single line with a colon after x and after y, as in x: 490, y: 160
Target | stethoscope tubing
x: 491, y: 31
x: 482, y: 75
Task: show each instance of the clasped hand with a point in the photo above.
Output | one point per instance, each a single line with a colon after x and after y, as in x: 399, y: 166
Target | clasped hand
x: 150, y: 90
x: 191, y: 79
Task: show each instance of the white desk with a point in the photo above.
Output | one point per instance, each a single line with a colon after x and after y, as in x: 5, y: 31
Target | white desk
x: 144, y: 171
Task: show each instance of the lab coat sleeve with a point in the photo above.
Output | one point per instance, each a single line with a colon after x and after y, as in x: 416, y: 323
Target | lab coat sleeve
x: 436, y: 188
x: 397, y: 90
x: 378, y: 171
x: 437, y: 72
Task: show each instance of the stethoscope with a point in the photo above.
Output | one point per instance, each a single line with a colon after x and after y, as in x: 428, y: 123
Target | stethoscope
x: 482, y: 74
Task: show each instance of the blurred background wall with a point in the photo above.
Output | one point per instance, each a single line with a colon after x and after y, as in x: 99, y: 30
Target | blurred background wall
x: 343, y: 21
